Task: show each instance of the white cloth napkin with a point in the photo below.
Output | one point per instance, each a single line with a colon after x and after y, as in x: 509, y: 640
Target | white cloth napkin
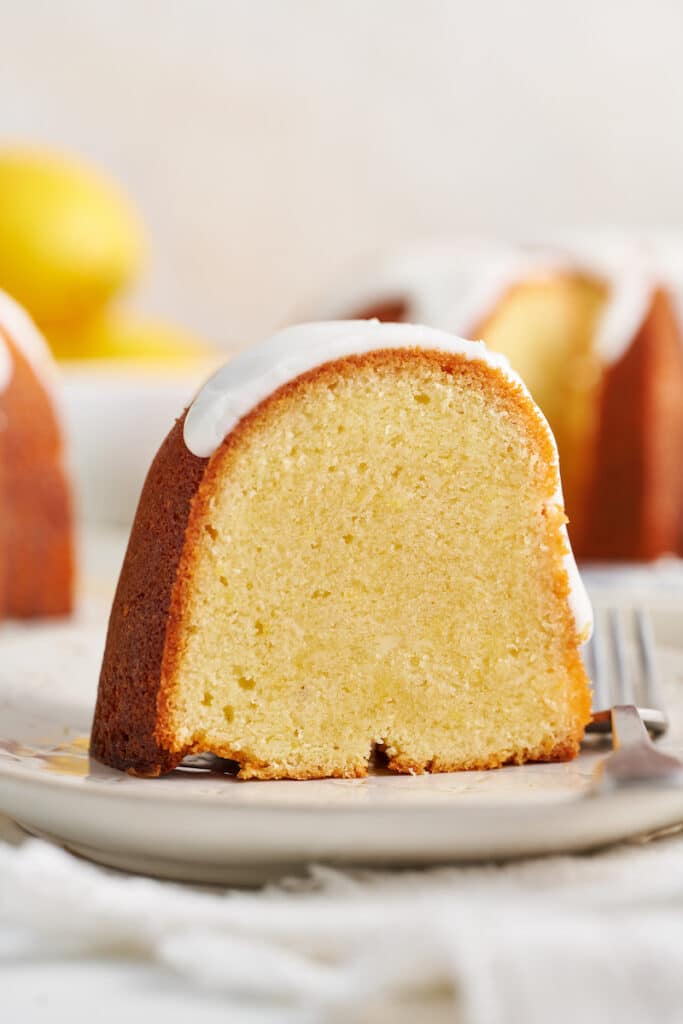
x: 596, y: 937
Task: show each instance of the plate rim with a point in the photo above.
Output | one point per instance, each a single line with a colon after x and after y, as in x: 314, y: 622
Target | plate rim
x: 69, y: 783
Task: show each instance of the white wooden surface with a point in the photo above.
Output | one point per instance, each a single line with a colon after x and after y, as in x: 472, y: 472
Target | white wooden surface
x: 268, y: 142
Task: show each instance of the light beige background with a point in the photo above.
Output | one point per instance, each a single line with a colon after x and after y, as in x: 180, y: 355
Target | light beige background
x: 268, y: 142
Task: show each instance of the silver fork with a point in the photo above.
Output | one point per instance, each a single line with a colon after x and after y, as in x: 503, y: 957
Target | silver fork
x: 627, y: 702
x: 619, y: 678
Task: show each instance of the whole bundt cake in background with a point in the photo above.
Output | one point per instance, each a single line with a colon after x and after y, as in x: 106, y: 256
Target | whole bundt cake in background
x: 353, y: 540
x: 598, y: 343
x: 36, y: 530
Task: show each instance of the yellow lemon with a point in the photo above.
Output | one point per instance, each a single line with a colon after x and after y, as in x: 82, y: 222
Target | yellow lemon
x: 126, y: 337
x: 68, y: 237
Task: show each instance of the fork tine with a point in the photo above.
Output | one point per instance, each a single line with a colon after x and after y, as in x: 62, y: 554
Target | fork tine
x: 621, y: 662
x: 622, y: 680
x: 646, y: 649
x: 599, y: 668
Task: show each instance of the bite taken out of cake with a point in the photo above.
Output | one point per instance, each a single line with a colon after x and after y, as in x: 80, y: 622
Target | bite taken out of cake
x: 354, y: 540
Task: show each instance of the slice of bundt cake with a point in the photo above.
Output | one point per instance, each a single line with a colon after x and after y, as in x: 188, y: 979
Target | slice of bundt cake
x: 596, y: 339
x: 36, y: 533
x: 353, y: 540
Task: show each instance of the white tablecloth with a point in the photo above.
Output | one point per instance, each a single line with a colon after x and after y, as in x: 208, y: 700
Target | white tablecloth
x: 596, y: 937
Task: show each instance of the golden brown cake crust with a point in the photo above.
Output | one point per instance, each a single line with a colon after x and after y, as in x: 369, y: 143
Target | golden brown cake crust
x: 124, y: 730
x: 36, y: 520
x: 388, y: 311
x: 634, y: 500
x: 132, y: 727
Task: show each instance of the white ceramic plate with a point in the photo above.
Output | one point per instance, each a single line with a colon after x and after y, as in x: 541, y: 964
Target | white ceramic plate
x: 207, y: 827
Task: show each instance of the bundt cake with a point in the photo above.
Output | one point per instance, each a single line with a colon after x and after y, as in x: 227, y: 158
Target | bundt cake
x: 353, y: 541
x: 36, y: 538
x: 598, y: 343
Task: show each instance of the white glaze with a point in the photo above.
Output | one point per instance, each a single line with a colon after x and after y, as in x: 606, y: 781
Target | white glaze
x: 255, y: 373
x: 248, y: 379
x: 631, y: 272
x: 18, y: 326
x: 456, y: 285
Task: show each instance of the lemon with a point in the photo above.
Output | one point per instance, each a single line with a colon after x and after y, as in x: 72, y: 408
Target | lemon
x: 116, y: 334
x: 69, y: 240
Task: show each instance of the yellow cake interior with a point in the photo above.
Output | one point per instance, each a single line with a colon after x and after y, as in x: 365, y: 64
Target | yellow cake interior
x: 546, y: 326
x: 376, y: 563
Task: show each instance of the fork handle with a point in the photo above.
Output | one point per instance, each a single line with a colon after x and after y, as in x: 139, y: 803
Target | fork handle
x: 635, y: 761
x: 655, y: 721
x: 627, y: 726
